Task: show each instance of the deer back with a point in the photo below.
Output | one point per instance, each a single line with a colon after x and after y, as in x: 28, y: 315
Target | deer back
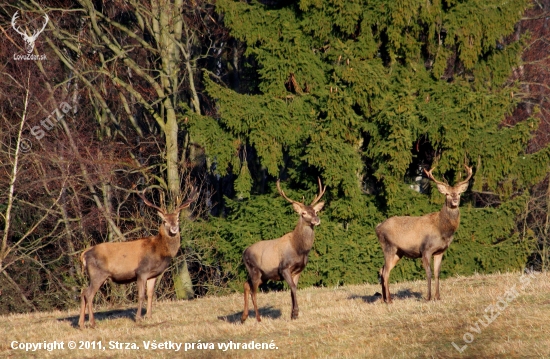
x: 119, y: 259
x: 408, y: 232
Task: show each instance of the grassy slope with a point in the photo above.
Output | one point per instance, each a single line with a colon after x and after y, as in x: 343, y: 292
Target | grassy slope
x: 334, y: 322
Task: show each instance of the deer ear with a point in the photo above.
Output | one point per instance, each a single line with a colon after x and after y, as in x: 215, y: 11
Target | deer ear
x: 443, y: 189
x: 462, y: 188
x: 297, y: 207
x: 318, y: 206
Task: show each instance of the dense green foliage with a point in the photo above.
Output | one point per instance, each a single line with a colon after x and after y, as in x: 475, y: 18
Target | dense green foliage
x: 362, y: 93
x: 350, y: 253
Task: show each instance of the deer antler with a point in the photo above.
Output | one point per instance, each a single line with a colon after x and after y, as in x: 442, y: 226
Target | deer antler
x: 321, y: 192
x: 142, y: 195
x: 315, y: 200
x: 469, y: 172
x: 430, y: 176
x: 192, y: 198
x: 282, y: 193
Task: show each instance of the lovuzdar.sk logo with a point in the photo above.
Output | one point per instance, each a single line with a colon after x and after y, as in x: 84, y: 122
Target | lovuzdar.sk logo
x: 29, y: 39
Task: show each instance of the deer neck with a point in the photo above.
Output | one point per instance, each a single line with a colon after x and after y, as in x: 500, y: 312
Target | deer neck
x: 303, y: 237
x: 449, y: 219
x: 172, y: 243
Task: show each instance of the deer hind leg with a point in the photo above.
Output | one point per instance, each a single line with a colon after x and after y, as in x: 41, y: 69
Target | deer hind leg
x: 426, y: 259
x: 437, y: 268
x: 254, y: 290
x: 82, y: 309
x: 390, y: 260
x: 150, y: 293
x: 381, y: 281
x: 251, y: 285
x: 246, y: 293
x: 296, y: 278
x: 87, y: 298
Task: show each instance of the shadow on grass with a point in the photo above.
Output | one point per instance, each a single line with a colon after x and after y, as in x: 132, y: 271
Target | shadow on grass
x: 99, y: 316
x: 402, y: 294
x: 367, y: 298
x: 265, y: 312
x: 407, y: 293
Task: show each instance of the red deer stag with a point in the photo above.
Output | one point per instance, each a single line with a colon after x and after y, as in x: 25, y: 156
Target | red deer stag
x: 282, y: 258
x: 421, y: 237
x: 142, y: 260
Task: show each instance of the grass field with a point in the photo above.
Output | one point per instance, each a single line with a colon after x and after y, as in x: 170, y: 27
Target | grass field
x: 494, y: 316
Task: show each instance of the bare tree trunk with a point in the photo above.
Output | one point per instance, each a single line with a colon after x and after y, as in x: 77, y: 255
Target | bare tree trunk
x: 4, y: 249
x: 182, y: 282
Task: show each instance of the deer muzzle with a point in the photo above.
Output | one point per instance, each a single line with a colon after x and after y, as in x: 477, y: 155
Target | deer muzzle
x: 455, y: 201
x: 174, y: 231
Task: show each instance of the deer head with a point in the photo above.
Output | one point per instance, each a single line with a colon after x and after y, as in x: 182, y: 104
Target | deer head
x: 452, y: 194
x: 171, y: 220
x: 29, y: 40
x: 308, y: 213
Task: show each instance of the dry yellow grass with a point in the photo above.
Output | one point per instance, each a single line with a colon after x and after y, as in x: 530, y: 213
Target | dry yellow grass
x: 343, y: 322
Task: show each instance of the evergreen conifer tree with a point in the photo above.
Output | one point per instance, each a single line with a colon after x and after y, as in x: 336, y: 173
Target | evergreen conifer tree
x: 363, y: 93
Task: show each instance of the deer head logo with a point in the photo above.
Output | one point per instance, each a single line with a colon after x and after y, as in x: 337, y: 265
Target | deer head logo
x: 29, y: 40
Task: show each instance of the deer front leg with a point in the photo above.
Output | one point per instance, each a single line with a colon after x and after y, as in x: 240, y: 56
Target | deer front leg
x: 141, y: 283
x: 426, y: 259
x: 150, y: 293
x: 288, y: 278
x: 437, y: 268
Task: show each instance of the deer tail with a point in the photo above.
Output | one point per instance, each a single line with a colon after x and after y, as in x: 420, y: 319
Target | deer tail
x: 83, y: 259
